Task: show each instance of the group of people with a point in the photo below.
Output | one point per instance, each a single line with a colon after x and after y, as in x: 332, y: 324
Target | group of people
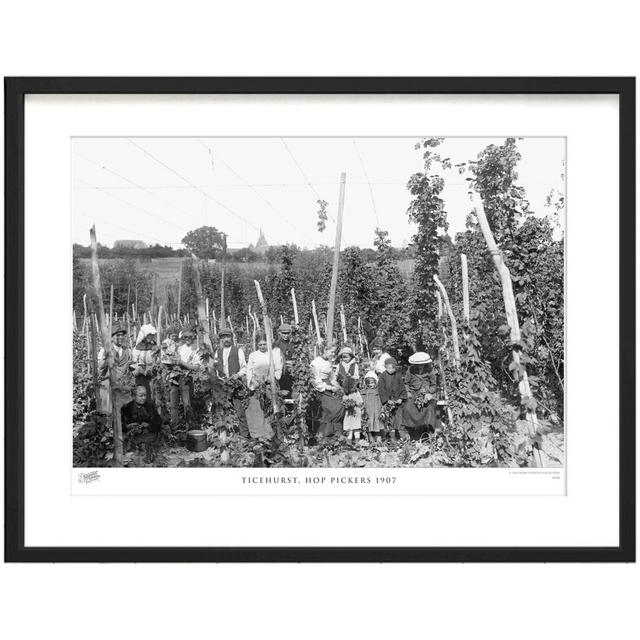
x: 349, y: 397
x: 130, y: 380
x: 383, y: 402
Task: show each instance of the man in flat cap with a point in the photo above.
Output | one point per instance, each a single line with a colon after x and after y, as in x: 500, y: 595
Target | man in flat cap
x: 230, y: 362
x: 120, y: 360
x: 188, y: 358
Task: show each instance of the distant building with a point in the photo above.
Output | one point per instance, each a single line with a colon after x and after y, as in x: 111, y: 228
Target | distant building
x: 130, y: 244
x: 262, y: 245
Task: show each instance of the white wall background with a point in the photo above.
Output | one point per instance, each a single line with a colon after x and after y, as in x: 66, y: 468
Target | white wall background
x: 328, y: 38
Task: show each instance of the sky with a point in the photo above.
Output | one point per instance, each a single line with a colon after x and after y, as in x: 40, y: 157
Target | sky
x: 157, y: 189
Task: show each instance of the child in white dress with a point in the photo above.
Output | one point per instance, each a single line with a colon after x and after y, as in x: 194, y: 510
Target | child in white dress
x: 348, y: 376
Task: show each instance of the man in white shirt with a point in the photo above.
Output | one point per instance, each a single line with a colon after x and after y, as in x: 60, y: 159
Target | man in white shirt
x: 189, y: 360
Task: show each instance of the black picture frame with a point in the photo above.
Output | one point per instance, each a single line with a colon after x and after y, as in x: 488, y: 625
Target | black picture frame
x: 15, y: 91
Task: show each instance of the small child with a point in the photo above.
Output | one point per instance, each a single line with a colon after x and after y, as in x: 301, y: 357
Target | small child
x: 347, y: 377
x: 372, y: 406
x: 392, y: 394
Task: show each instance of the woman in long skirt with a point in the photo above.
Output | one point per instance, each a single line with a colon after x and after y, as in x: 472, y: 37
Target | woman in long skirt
x: 329, y: 410
x: 419, y: 411
x: 259, y: 420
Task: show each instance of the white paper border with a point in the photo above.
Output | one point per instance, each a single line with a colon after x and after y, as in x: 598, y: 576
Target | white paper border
x: 54, y: 517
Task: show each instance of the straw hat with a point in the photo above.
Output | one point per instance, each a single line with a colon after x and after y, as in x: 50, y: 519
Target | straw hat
x: 420, y: 357
x: 344, y: 350
x: 224, y: 332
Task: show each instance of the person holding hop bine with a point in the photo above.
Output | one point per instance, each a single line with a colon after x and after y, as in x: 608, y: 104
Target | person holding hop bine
x: 419, y: 412
x: 328, y: 410
x: 121, y: 359
x: 348, y: 376
x: 144, y: 356
x: 372, y: 406
x: 392, y: 394
x: 287, y: 350
x: 258, y: 365
x: 230, y: 364
x: 188, y: 360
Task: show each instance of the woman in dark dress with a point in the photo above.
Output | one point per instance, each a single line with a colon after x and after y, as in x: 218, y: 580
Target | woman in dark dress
x: 419, y: 411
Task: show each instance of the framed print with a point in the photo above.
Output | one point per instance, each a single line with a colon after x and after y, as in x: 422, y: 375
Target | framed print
x: 320, y: 319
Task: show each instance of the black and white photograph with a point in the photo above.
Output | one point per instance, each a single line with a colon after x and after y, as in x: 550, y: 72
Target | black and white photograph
x: 318, y: 302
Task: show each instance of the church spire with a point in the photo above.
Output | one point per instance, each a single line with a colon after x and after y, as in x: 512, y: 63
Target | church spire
x: 262, y: 241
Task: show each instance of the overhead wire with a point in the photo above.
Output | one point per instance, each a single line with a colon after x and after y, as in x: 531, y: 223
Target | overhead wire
x: 206, y: 195
x: 131, y: 204
x: 366, y: 175
x: 304, y: 175
x: 252, y: 187
x: 131, y: 182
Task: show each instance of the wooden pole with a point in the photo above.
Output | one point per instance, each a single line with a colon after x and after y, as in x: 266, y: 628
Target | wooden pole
x: 452, y: 319
x: 85, y: 328
x: 159, y: 327
x: 343, y: 323
x: 315, y: 321
x: 84, y: 304
x: 180, y: 288
x: 106, y: 345
x: 200, y: 302
x: 440, y: 310
x: 465, y: 288
x: 94, y: 366
x: 233, y: 333
x: 295, y: 306
x: 267, y: 330
x: 128, y: 328
x: 360, y: 336
x: 255, y: 329
x: 336, y: 260
x: 128, y: 300
x: 224, y: 266
x: 511, y: 312
x: 206, y: 309
x: 111, y: 308
x: 153, y: 295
